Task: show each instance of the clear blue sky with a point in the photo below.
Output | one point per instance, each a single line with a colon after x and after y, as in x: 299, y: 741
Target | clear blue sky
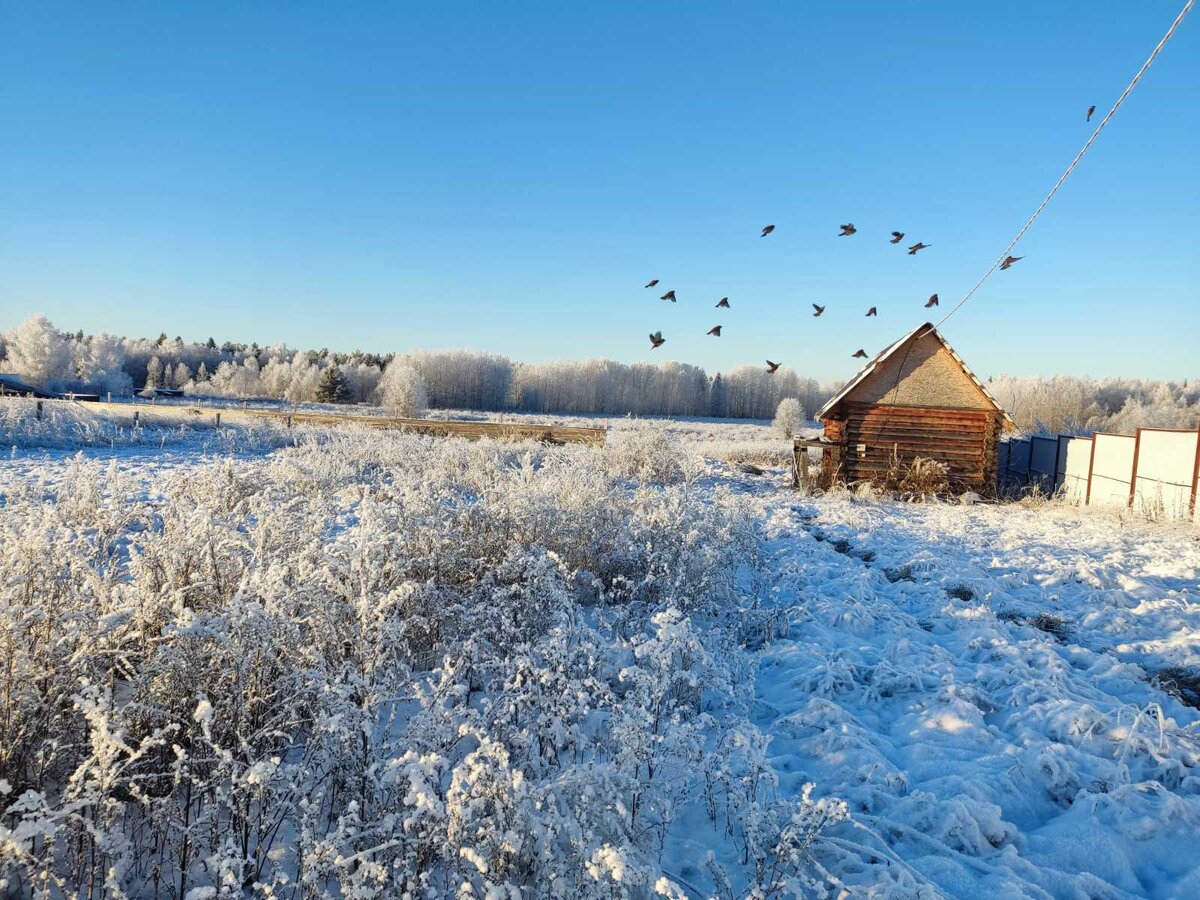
x: 507, y: 176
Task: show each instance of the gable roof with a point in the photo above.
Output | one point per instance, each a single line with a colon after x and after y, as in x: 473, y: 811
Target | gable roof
x: 875, y: 364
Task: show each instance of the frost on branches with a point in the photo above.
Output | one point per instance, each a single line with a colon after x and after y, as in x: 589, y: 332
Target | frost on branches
x: 380, y: 665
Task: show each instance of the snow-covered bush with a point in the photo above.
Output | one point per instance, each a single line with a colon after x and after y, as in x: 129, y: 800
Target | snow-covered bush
x: 402, y: 390
x: 649, y: 454
x: 373, y: 665
x: 789, y: 416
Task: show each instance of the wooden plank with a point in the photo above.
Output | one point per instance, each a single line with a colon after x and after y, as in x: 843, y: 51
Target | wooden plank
x: 866, y: 435
x: 964, y: 411
x: 948, y: 428
x: 924, y: 441
x: 931, y: 427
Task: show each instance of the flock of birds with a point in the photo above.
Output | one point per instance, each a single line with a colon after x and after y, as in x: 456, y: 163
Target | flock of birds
x: 657, y: 339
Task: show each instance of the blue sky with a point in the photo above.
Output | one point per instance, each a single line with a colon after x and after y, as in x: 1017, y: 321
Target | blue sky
x: 508, y: 176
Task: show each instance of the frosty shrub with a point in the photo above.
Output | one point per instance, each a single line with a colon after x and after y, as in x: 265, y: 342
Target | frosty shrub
x: 649, y: 454
x: 919, y: 478
x: 380, y: 665
x: 402, y: 390
x: 789, y: 416
x: 925, y: 478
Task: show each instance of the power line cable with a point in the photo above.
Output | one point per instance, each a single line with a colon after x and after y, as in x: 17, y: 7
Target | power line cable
x: 1078, y: 156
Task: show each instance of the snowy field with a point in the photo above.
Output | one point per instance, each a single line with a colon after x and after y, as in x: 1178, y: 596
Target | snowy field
x: 327, y: 664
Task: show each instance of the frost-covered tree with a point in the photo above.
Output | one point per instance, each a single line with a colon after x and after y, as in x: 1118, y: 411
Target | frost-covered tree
x: 154, y: 373
x: 402, y: 390
x: 102, y: 366
x: 362, y: 379
x: 180, y: 375
x: 718, y: 397
x: 331, y: 386
x: 37, y: 352
x: 789, y: 416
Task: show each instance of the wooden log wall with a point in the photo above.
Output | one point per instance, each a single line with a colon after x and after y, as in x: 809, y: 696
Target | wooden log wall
x: 966, y: 440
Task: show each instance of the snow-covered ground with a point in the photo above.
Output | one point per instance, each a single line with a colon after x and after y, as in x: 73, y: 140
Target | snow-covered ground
x: 384, y: 662
x: 976, y: 682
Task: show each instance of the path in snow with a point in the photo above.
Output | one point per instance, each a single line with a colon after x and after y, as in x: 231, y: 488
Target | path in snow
x: 991, y: 756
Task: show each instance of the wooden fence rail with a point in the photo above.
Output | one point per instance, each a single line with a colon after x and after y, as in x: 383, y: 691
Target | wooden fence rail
x: 507, y: 431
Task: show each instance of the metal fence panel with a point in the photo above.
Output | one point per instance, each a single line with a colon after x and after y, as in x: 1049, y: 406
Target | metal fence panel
x: 1166, y: 462
x: 1074, y: 460
x: 1112, y: 469
x: 1042, y: 458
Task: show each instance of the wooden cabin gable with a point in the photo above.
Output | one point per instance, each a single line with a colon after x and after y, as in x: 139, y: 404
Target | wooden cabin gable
x: 924, y: 374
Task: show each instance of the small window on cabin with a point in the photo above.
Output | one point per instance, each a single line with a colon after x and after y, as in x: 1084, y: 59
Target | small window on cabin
x: 862, y: 449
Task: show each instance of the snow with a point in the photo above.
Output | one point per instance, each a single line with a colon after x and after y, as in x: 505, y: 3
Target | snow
x: 794, y: 694
x: 990, y: 755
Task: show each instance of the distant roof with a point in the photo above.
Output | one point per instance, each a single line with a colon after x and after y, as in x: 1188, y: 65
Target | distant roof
x: 871, y: 367
x: 15, y: 383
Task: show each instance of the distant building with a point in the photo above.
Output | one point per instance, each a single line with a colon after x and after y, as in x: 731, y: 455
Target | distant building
x: 12, y: 385
x: 915, y: 399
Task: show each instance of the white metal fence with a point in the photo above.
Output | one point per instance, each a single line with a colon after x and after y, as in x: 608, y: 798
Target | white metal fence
x: 1154, y: 471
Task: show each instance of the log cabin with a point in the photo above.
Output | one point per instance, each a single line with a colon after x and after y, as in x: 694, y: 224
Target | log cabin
x: 917, y: 398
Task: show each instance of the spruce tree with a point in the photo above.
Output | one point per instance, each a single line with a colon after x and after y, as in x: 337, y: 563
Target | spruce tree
x: 332, y: 387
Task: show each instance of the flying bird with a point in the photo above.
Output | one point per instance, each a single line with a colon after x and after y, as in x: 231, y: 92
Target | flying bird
x: 932, y: 301
x: 715, y: 331
x: 872, y: 311
x: 1009, y: 260
x: 669, y: 295
x: 859, y: 354
x: 819, y: 310
x: 723, y: 303
x: 1091, y: 109
x: 912, y: 251
x: 652, y: 282
x: 847, y: 230
x: 657, y: 340
x: 897, y: 237
x: 767, y: 230
x: 771, y: 367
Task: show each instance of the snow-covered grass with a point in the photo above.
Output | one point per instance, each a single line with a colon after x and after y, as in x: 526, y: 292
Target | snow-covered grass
x: 168, y: 421
x: 79, y: 425
x: 376, y: 663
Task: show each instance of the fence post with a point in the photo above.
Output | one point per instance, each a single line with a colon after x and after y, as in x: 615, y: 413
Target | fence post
x: 110, y: 396
x: 1195, y: 477
x: 289, y: 421
x: 39, y: 410
x: 136, y: 413
x: 1137, y: 446
x: 218, y: 420
x: 1087, y: 497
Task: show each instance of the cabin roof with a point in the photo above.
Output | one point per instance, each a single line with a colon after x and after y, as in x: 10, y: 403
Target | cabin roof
x: 874, y: 365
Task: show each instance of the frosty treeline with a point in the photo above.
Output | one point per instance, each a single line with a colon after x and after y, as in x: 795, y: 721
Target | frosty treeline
x: 452, y: 379
x: 469, y: 379
x: 1064, y: 404
x: 391, y: 666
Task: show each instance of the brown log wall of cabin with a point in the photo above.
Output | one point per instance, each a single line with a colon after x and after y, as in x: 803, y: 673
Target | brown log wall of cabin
x: 966, y: 440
